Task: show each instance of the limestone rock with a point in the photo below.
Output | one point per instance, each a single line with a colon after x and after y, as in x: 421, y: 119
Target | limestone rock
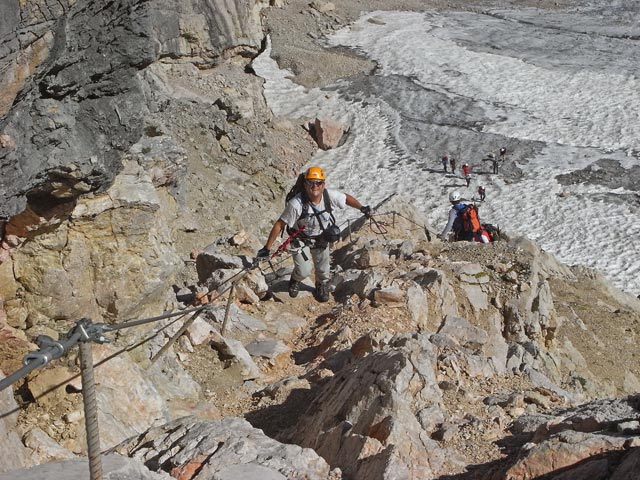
x: 322, y: 6
x: 234, y: 349
x: 238, y: 322
x: 44, y: 448
x: 471, y: 273
x: 418, y: 305
x: 114, y: 467
x: 436, y: 283
x: 364, y: 418
x: 77, y: 270
x: 199, y: 331
x: 14, y: 454
x: 267, y: 348
x: 91, y: 74
x: 211, y: 259
x: 217, y: 447
x: 463, y: 332
x: 389, y: 296
x: 328, y: 133
x: 121, y: 378
x: 367, y: 256
x: 356, y: 282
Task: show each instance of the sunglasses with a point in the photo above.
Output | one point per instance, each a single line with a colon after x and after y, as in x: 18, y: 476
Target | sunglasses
x: 315, y: 183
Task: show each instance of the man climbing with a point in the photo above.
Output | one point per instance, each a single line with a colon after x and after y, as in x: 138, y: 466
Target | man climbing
x: 456, y: 206
x: 481, y: 193
x: 466, y: 171
x: 452, y: 163
x: 310, y: 213
x: 494, y: 161
x: 462, y: 220
x: 445, y: 162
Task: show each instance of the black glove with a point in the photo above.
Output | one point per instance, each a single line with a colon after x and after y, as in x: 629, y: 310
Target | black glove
x: 366, y: 210
x: 263, y: 252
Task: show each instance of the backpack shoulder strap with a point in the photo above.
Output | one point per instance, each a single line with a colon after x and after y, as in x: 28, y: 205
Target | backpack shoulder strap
x: 327, y: 201
x: 327, y: 205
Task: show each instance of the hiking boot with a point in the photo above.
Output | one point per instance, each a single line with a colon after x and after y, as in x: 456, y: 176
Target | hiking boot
x: 322, y: 292
x: 294, y: 288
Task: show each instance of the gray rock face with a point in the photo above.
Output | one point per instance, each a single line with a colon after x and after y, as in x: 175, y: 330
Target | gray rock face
x: 365, y: 419
x: 582, y: 442
x: 114, y: 467
x: 218, y: 448
x: 14, y: 454
x: 85, y: 104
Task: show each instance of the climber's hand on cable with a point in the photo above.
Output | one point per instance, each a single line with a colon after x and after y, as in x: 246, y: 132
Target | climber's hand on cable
x: 263, y: 252
x: 366, y: 210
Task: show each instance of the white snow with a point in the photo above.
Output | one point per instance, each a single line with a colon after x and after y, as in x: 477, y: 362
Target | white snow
x: 549, y: 82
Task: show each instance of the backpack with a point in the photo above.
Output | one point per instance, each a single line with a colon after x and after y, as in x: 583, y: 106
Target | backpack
x: 297, y: 188
x: 467, y: 223
x: 493, y: 231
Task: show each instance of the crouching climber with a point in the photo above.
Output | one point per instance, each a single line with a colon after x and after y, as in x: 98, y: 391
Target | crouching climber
x: 463, y: 221
x: 309, y: 215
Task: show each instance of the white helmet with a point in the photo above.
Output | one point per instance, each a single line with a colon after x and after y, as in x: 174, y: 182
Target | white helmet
x: 455, y: 196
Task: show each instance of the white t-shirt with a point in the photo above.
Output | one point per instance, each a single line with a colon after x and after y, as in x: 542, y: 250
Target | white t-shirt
x: 293, y: 212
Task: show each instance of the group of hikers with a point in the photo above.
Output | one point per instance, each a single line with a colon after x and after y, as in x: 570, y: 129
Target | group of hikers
x: 449, y: 161
x: 309, y: 221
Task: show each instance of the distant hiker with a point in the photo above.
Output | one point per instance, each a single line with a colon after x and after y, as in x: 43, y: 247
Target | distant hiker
x: 463, y: 221
x: 494, y: 161
x: 309, y: 214
x: 503, y: 154
x: 445, y: 162
x: 481, y: 193
x: 452, y: 163
x: 466, y: 171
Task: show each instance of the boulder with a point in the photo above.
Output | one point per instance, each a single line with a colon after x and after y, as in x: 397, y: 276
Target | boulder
x: 233, y: 349
x: 328, y: 133
x: 44, y: 448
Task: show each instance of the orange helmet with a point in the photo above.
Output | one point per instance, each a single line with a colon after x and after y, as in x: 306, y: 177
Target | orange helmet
x: 315, y: 173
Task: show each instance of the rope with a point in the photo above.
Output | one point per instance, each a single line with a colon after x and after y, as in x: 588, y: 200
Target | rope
x: 135, y: 323
x: 50, y: 350
x: 426, y: 230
